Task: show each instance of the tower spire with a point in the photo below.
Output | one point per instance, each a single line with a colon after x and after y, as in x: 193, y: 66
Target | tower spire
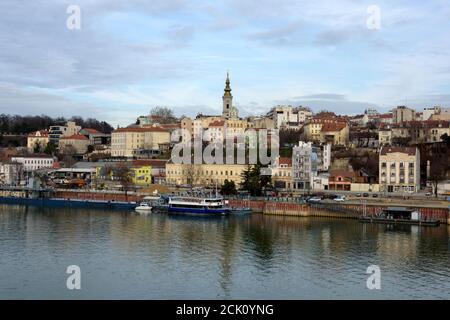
x: 227, y: 84
x: 227, y: 98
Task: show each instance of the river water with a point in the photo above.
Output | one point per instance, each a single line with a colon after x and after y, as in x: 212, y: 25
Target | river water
x: 124, y: 255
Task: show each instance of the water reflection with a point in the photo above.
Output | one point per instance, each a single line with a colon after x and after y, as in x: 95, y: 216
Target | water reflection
x: 127, y: 255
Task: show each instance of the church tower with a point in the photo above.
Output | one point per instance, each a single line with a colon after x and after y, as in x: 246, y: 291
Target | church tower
x: 227, y: 99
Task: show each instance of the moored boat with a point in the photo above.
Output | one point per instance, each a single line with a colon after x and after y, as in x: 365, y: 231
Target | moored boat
x: 158, y: 203
x: 198, y: 206
x: 400, y: 215
x: 143, y: 207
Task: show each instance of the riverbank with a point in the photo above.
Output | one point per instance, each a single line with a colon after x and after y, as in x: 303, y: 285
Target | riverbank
x: 347, y: 210
x: 351, y: 209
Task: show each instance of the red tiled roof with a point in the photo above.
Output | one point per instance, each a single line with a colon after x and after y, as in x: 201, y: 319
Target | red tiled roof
x: 386, y: 116
x: 90, y: 130
x: 409, y: 150
x: 422, y: 124
x: 171, y: 125
x: 44, y: 133
x: 75, y: 137
x: 35, y: 155
x: 151, y: 162
x: 285, y: 160
x: 217, y: 123
x: 337, y: 126
x: 342, y: 173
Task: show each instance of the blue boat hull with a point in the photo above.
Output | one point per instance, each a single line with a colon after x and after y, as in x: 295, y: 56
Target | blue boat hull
x: 68, y: 203
x: 199, y: 211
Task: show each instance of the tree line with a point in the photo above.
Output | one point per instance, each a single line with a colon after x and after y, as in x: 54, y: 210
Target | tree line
x: 16, y: 124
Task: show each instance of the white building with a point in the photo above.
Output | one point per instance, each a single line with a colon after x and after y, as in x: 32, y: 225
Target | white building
x: 289, y: 116
x: 34, y: 162
x: 56, y: 132
x: 307, y: 161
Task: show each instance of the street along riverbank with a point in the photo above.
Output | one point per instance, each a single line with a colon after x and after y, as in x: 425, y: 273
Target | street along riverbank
x: 120, y: 200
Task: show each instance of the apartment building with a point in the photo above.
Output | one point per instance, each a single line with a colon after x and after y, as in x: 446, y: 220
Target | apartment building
x: 282, y: 173
x: 289, y: 116
x: 204, y: 174
x: 56, y: 132
x: 331, y: 131
x: 402, y: 114
x: 399, y: 169
x: 421, y: 131
x: 34, y: 162
x: 308, y: 160
x: 77, y: 143
x: 127, y: 142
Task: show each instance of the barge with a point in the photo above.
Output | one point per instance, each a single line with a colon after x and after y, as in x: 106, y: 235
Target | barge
x: 69, y: 203
x: 400, y: 215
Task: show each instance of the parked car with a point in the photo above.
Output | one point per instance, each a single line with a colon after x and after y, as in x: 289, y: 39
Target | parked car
x: 358, y: 195
x: 314, y: 199
x: 365, y: 195
x: 375, y: 195
x: 339, y: 198
x: 428, y: 194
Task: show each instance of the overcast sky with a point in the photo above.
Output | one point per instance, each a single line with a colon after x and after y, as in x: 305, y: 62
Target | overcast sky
x: 131, y: 55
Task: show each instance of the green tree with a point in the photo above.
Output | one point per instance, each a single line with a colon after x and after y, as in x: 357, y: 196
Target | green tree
x: 50, y: 148
x: 37, y: 147
x: 228, y: 188
x: 254, y: 182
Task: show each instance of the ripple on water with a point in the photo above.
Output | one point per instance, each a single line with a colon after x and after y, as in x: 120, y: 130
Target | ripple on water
x: 125, y: 255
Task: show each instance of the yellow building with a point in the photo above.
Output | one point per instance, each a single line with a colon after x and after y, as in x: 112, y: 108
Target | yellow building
x: 125, y: 142
x: 38, y: 138
x: 331, y: 131
x: 236, y: 126
x: 204, y: 174
x: 399, y: 169
x: 140, y: 172
x: 141, y: 175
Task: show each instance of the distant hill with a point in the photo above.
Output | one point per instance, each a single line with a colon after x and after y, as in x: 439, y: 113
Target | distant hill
x: 15, y: 124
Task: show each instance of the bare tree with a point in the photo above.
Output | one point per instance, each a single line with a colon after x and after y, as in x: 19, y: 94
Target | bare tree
x: 164, y: 114
x: 438, y: 172
x: 68, y: 155
x: 123, y: 174
x: 192, y: 173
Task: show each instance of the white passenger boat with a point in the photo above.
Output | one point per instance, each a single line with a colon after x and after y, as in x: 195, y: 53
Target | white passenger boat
x: 197, y: 206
